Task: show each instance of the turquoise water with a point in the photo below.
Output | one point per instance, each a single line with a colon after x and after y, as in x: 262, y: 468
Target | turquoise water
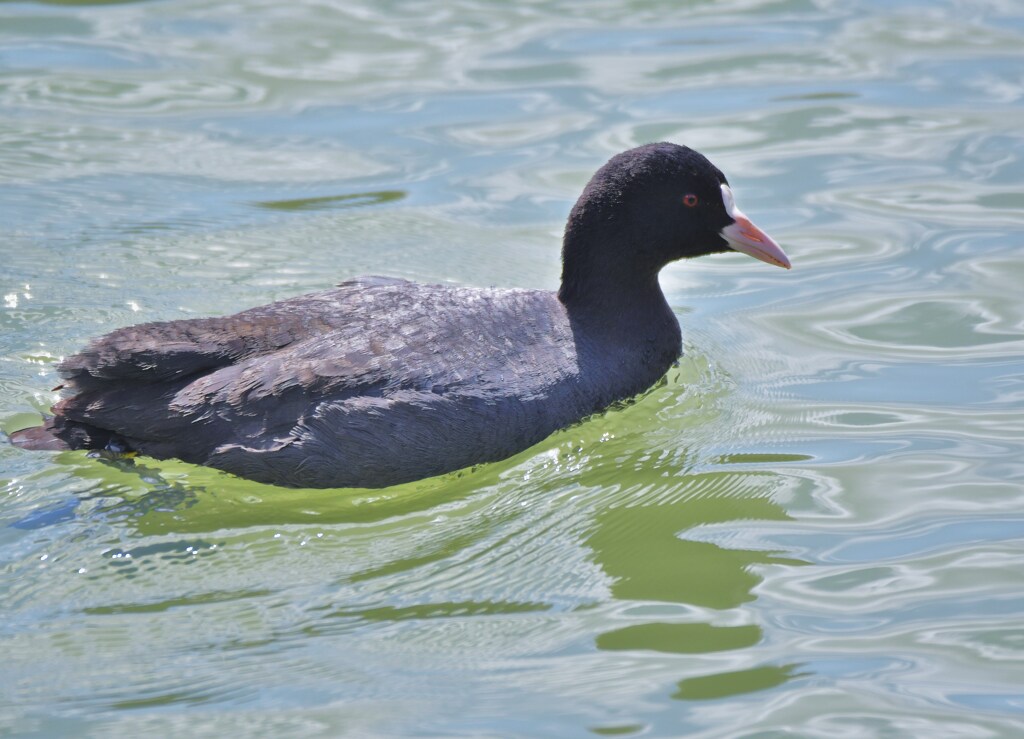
x: 814, y: 527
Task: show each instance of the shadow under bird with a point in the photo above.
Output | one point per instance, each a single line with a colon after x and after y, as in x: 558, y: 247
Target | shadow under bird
x: 380, y: 381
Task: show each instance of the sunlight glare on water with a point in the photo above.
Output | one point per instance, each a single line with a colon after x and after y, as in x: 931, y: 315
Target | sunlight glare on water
x: 813, y: 526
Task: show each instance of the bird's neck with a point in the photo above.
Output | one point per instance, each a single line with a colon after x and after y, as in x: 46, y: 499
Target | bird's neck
x: 624, y: 309
x: 604, y: 275
x: 610, y: 293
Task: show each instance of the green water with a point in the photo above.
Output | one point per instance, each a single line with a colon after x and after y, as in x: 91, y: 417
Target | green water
x: 815, y: 527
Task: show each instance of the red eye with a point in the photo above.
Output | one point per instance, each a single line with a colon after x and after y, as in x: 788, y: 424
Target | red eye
x: 690, y: 200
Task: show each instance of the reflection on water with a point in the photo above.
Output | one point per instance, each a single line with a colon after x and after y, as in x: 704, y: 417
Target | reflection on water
x: 734, y: 683
x: 644, y: 547
x: 812, y: 526
x: 645, y: 550
x: 353, y: 200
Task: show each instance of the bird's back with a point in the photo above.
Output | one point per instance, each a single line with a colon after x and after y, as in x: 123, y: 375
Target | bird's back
x: 371, y: 383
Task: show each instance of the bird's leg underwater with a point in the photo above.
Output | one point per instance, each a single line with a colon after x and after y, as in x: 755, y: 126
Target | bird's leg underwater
x: 58, y: 434
x: 115, y: 450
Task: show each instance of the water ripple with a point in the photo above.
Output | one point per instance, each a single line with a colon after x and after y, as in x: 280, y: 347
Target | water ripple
x: 812, y: 525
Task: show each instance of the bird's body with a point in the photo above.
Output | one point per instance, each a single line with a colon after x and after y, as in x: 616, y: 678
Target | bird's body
x: 381, y: 381
x: 375, y: 380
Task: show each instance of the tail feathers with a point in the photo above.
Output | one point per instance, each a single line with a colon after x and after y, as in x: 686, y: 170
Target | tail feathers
x: 57, y: 434
x: 39, y: 438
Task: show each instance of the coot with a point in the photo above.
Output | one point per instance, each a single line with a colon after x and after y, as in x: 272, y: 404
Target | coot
x: 381, y: 381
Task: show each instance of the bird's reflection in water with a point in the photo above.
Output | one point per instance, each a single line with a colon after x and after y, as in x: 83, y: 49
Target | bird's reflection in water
x: 643, y: 546
x: 168, y: 496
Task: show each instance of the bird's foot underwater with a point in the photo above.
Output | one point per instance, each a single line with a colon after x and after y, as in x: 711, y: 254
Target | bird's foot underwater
x: 116, y: 450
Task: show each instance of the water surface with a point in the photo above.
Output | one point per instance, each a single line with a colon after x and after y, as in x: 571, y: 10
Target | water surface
x: 814, y: 526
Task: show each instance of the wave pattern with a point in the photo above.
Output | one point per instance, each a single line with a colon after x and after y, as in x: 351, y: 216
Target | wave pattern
x: 813, y: 525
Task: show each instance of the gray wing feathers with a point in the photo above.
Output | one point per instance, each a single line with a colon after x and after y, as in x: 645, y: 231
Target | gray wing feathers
x: 361, y: 382
x: 165, y: 351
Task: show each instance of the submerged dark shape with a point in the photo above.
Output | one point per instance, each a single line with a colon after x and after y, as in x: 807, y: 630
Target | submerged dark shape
x: 381, y: 381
